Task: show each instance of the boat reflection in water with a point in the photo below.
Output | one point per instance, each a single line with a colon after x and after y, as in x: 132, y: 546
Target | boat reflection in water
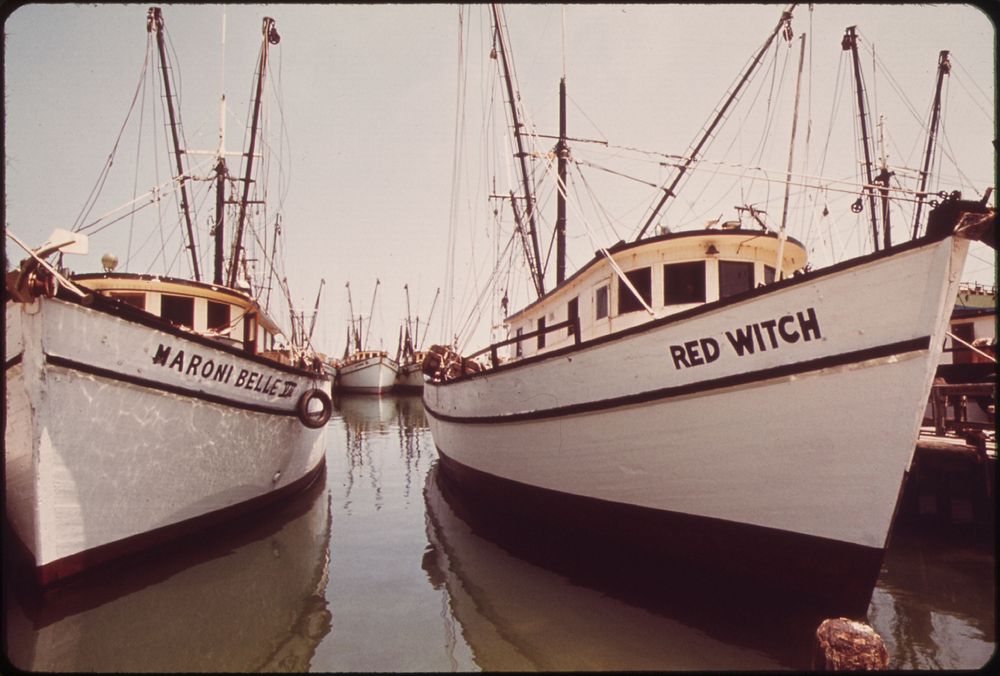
x: 365, y: 417
x: 532, y: 599
x: 243, y: 598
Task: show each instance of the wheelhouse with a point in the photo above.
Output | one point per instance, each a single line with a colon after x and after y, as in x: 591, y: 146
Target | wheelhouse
x: 655, y: 277
x: 212, y: 311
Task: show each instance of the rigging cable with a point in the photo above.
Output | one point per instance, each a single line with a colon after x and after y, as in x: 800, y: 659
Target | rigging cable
x: 103, y: 175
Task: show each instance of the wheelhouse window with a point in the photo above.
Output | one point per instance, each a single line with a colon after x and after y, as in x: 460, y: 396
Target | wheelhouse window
x: 250, y: 332
x: 735, y: 277
x: 601, y: 302
x: 572, y: 314
x: 642, y: 280
x: 134, y: 299
x: 541, y: 332
x: 684, y: 283
x: 218, y: 315
x: 178, y: 309
x: 768, y: 274
x: 518, y: 350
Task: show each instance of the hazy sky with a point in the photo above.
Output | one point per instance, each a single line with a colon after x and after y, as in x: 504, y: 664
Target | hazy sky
x: 368, y: 115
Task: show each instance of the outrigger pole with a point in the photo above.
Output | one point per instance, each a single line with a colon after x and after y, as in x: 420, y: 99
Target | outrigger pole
x: 783, y: 23
x: 154, y: 21
x: 944, y: 68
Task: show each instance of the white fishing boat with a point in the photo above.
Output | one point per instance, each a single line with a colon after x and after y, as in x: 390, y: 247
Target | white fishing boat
x: 143, y: 406
x: 367, y: 372
x: 364, y: 371
x: 705, y: 394
x: 411, y: 375
x: 409, y: 355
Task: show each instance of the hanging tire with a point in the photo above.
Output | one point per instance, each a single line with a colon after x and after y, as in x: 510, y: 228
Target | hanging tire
x: 310, y: 418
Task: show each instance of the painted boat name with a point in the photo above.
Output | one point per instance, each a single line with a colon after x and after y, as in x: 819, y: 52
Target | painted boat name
x: 209, y: 369
x: 761, y: 336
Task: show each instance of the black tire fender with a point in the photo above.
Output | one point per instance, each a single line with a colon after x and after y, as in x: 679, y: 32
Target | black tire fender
x: 313, y: 419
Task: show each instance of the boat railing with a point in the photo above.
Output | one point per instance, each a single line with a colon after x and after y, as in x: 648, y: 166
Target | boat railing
x: 573, y: 324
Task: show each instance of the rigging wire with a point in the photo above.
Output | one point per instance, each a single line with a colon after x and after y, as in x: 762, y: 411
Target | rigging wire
x: 91, y: 200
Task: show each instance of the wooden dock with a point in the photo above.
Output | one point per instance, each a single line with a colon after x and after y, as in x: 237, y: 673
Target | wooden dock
x: 951, y: 479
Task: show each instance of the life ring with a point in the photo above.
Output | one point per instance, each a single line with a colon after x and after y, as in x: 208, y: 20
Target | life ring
x: 314, y: 419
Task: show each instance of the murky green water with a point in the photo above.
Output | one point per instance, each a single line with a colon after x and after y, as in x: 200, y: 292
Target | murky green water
x: 379, y: 568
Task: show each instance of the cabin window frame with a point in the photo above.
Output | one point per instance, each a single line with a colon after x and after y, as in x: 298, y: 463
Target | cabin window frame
x: 177, y: 309
x: 572, y: 313
x: 770, y: 274
x: 602, y: 301
x: 213, y: 318
x: 627, y: 302
x: 726, y: 287
x: 250, y: 332
x: 690, y: 294
x: 136, y: 299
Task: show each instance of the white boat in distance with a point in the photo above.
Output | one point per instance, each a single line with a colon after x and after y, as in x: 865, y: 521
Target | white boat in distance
x: 367, y: 372
x: 706, y: 397
x: 364, y: 371
x: 409, y: 356
x: 141, y: 407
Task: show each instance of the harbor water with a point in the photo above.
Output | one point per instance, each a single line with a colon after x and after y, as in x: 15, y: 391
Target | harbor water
x: 381, y: 566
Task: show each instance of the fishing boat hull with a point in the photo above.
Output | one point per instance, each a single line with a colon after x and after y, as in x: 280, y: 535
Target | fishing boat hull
x: 410, y: 378
x: 767, y: 434
x: 374, y: 375
x: 122, y: 433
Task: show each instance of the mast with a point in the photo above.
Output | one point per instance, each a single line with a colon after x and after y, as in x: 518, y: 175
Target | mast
x: 406, y: 288
x: 221, y: 171
x: 220, y: 219
x: 429, y: 316
x: 270, y: 37
x: 882, y: 180
x: 154, y: 20
x: 791, y: 154
x: 536, y: 272
x: 408, y: 345
x: 784, y: 22
x: 350, y: 326
x: 371, y: 311
x: 312, y: 324
x: 944, y: 68
x: 562, y: 152
x: 850, y: 42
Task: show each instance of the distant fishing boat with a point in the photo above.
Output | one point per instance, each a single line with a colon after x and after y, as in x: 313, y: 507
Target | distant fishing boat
x: 364, y: 371
x: 409, y: 356
x: 143, y: 406
x: 704, y: 393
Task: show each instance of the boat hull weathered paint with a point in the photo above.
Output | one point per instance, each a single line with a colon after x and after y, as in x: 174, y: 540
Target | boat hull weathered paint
x: 768, y: 433
x: 410, y: 378
x: 122, y: 432
x: 374, y: 375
